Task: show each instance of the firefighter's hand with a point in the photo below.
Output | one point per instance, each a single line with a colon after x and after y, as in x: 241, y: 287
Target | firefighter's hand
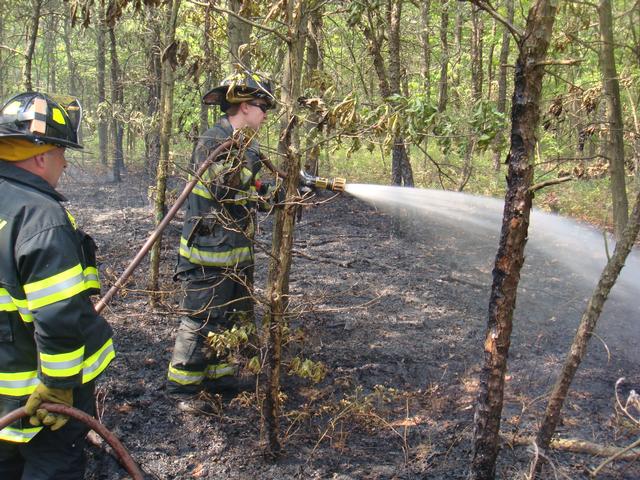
x: 40, y: 416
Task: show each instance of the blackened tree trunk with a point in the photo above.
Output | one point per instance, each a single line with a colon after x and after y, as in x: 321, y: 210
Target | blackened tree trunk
x: 101, y: 53
x: 34, y: 25
x: 614, y: 145
x: 525, y: 116
x: 166, y: 117
x: 583, y: 335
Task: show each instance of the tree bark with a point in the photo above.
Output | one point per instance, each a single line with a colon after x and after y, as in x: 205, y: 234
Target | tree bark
x: 166, y: 116
x: 425, y: 26
x: 583, y: 335
x: 154, y: 89
x: 117, y: 98
x: 510, y: 257
x: 239, y: 33
x: 314, y: 63
x: 477, y: 71
x: 103, y: 129
x: 443, y: 84
x: 283, y: 229
x: 34, y: 25
x: 502, y: 77
x: 401, y: 171
x: 614, y: 145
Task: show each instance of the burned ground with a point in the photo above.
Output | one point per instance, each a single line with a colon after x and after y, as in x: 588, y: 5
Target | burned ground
x: 398, y: 320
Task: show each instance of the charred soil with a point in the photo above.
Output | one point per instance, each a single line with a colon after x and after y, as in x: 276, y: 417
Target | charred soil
x: 396, y: 311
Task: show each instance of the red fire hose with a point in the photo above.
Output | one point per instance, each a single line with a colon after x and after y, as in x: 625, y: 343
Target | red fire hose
x: 123, y: 455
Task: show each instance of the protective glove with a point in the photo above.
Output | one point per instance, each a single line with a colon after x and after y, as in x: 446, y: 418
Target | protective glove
x: 40, y: 416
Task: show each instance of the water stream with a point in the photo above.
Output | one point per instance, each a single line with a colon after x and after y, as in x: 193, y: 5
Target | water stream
x: 575, y: 251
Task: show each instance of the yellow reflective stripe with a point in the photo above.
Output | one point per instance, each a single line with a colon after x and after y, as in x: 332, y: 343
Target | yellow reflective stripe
x: 184, y: 377
x: 202, y: 191
x: 71, y: 219
x: 18, y: 384
x: 10, y: 304
x: 62, y: 364
x: 2, y: 224
x: 218, y: 259
x: 55, y: 288
x: 17, y: 435
x: 96, y: 363
x: 220, y: 370
x: 245, y: 175
x: 91, y: 278
x: 6, y: 302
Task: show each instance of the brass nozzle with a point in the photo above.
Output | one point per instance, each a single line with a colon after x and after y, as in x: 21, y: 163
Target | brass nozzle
x: 338, y: 184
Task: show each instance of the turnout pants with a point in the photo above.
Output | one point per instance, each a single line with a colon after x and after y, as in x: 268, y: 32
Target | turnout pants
x: 49, y: 455
x: 211, y: 303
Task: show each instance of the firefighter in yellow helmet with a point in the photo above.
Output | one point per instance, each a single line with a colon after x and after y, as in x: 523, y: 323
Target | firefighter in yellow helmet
x: 53, y: 344
x: 216, y: 261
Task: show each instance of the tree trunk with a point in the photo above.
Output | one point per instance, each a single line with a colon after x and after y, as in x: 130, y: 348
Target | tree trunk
x: 212, y: 63
x: 476, y: 53
x: 401, y: 172
x: 425, y: 26
x: 510, y: 257
x: 283, y: 229
x: 103, y: 129
x: 614, y: 145
x: 31, y: 45
x: 166, y: 116
x: 116, y: 103
x: 583, y: 335
x: 154, y: 89
x: 443, y: 84
x: 239, y: 33
x: 502, y: 77
x: 314, y: 63
x: 50, y: 35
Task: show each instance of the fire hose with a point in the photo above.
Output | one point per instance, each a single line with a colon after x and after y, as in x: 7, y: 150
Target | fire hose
x: 121, y: 452
x: 123, y: 455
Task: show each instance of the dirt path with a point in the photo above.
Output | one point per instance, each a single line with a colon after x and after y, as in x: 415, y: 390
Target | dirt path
x: 399, y: 323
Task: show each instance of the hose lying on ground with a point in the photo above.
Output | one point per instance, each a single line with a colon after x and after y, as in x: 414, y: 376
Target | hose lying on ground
x: 123, y: 455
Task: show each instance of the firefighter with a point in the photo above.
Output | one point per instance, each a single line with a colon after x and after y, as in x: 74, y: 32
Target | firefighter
x: 215, y: 264
x: 53, y: 344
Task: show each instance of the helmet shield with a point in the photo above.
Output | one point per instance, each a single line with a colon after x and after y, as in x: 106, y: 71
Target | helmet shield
x: 241, y: 87
x: 42, y: 119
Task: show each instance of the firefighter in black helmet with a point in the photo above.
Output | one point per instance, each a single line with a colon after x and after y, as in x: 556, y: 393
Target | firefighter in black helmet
x: 216, y: 261
x: 52, y: 343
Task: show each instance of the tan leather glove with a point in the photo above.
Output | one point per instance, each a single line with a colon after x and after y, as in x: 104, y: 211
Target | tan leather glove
x: 40, y: 416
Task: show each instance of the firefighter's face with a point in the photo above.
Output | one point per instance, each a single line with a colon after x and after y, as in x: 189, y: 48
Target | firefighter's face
x: 54, y: 165
x: 256, y: 113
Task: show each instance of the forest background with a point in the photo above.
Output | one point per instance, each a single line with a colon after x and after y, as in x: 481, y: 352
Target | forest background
x: 442, y: 88
x: 378, y: 91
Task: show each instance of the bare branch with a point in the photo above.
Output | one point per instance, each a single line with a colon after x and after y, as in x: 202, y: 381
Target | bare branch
x: 486, y: 6
x: 243, y: 19
x: 570, y: 61
x: 547, y: 183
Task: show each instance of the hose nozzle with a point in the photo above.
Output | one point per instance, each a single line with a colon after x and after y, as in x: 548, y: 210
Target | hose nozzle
x: 333, y: 184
